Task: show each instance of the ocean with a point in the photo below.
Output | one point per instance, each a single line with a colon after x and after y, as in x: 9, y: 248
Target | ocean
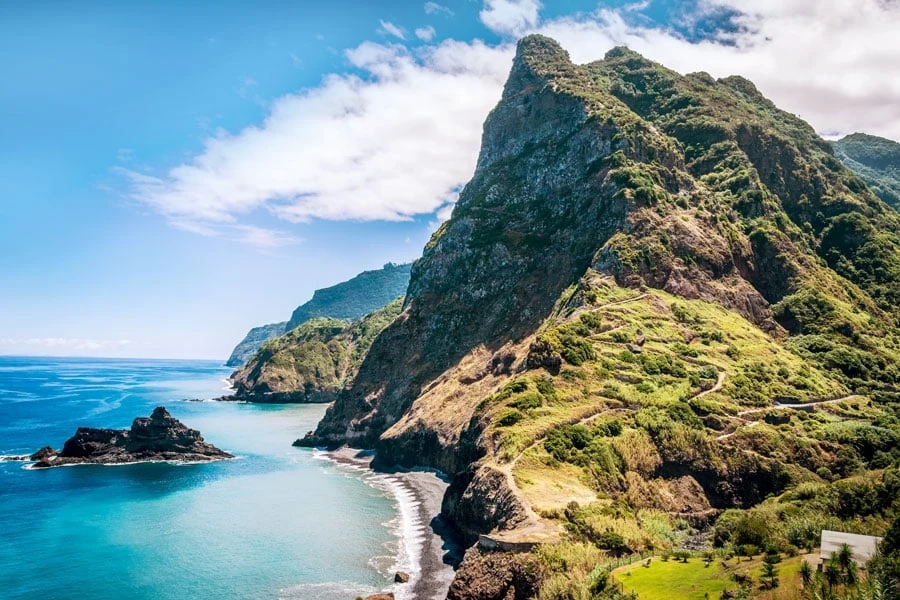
x: 277, y: 522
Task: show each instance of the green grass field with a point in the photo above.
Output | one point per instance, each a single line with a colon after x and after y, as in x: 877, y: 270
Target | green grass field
x: 674, y: 579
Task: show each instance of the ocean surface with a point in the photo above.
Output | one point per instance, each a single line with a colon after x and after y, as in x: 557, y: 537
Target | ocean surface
x: 278, y: 522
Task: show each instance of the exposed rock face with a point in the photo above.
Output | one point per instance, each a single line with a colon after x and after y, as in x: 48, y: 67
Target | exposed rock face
x: 255, y: 338
x: 496, y: 576
x: 313, y: 361
x: 667, y: 186
x: 480, y: 501
x: 159, y: 437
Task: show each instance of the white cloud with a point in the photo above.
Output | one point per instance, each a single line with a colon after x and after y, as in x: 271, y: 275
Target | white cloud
x: 391, y: 29
x: 510, y: 17
x: 401, y: 140
x: 834, y: 63
x: 425, y: 33
x: 395, y: 144
x: 433, y: 8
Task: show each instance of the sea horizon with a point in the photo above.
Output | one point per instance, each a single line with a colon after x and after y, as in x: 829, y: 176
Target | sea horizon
x: 209, y: 508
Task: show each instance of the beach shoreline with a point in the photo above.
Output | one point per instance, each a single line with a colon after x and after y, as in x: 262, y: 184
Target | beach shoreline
x: 427, y: 545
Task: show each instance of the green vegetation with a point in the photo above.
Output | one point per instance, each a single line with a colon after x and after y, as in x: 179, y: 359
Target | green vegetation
x: 356, y: 297
x: 690, y: 580
x: 314, y: 360
x: 347, y: 301
x: 876, y: 160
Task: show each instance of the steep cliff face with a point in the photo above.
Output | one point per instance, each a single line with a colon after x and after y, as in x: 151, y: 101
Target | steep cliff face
x: 313, y: 361
x: 255, y: 338
x: 641, y: 262
x: 695, y: 186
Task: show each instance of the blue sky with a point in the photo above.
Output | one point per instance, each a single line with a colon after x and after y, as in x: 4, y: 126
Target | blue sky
x: 175, y: 173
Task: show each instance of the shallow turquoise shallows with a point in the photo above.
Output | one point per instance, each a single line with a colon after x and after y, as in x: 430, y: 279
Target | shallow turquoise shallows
x: 278, y: 522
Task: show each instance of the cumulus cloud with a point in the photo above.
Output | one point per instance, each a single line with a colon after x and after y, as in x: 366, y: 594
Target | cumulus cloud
x: 425, y: 33
x: 402, y: 138
x: 433, y: 8
x: 391, y: 29
x: 833, y: 62
x: 510, y: 17
x: 394, y: 144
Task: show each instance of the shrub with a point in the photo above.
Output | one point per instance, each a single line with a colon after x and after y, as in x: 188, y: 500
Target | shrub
x: 612, y: 542
x: 576, y: 351
x: 516, y: 386
x: 708, y: 372
x: 684, y: 350
x: 528, y: 401
x: 510, y: 417
x: 751, y: 530
x: 545, y: 386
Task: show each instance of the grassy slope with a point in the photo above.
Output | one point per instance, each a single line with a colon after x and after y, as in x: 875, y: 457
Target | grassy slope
x: 317, y: 357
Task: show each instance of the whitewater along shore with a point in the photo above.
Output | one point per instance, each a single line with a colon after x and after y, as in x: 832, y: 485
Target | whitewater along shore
x: 428, y: 548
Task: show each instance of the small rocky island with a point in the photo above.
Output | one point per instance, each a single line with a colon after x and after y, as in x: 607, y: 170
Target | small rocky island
x: 159, y: 437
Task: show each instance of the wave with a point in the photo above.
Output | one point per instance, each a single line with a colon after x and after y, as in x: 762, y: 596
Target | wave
x: 409, y: 527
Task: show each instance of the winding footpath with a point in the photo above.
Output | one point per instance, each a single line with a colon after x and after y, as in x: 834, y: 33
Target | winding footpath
x: 794, y: 405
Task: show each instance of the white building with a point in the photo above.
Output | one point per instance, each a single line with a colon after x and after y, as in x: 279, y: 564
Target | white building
x: 862, y: 546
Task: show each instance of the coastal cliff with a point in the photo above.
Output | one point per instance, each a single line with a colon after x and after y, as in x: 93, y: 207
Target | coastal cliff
x: 347, y: 301
x: 159, y: 437
x: 313, y: 361
x: 648, y: 300
x: 255, y: 338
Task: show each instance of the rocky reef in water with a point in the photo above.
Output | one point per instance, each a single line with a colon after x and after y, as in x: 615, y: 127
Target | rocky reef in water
x: 159, y: 437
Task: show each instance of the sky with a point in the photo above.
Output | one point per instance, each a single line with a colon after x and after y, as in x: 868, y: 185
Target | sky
x: 175, y: 173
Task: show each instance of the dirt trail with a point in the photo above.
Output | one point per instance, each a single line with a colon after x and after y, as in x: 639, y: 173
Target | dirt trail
x: 720, y: 380
x: 795, y: 405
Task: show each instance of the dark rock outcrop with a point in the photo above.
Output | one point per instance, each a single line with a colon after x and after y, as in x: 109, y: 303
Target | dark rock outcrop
x: 159, y: 437
x: 496, y: 576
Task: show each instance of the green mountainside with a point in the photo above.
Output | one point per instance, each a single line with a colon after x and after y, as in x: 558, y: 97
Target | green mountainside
x: 876, y: 160
x: 356, y: 297
x: 348, y: 300
x: 255, y: 338
x: 313, y: 361
x: 662, y: 311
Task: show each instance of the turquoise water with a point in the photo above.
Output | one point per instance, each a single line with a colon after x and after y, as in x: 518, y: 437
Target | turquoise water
x: 279, y: 522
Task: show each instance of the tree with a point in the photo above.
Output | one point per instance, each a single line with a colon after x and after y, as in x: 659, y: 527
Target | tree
x: 851, y: 574
x: 770, y: 573
x: 844, y: 557
x: 806, y: 574
x: 833, y: 574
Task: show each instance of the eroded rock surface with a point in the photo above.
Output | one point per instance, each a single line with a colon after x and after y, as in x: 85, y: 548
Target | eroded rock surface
x: 159, y: 437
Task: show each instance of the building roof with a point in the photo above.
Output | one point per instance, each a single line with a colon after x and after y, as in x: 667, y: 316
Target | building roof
x: 863, y: 546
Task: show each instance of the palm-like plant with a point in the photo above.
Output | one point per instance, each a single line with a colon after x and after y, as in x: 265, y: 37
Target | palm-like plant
x: 851, y: 574
x: 844, y: 557
x: 806, y: 574
x: 833, y: 573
